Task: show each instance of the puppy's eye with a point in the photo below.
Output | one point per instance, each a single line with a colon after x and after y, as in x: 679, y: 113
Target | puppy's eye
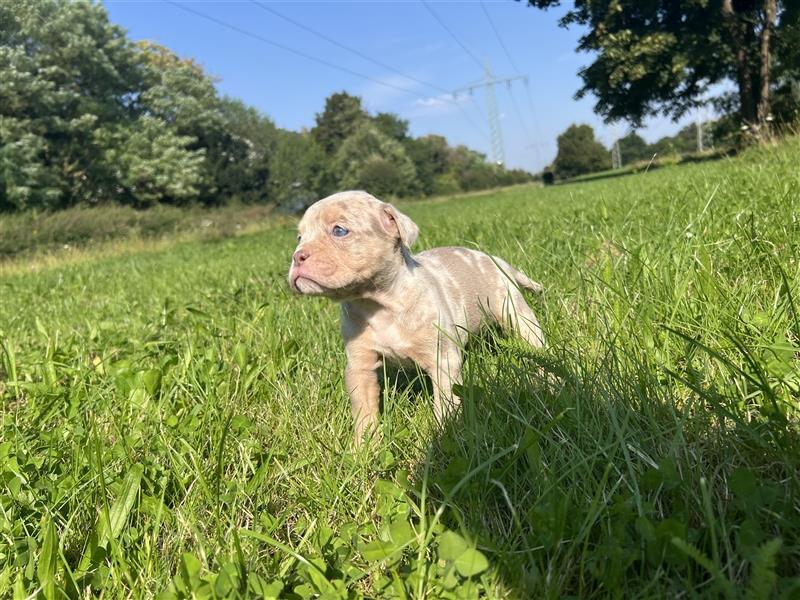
x: 339, y: 231
x: 298, y: 237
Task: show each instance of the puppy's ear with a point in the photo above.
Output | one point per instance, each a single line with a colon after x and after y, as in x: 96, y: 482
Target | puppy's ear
x: 399, y: 225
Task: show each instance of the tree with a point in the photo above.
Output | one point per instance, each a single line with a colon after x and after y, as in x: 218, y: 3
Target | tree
x: 633, y: 148
x: 370, y: 160
x: 341, y: 117
x: 152, y: 163
x: 662, y: 56
x: 785, y: 100
x: 391, y: 126
x: 253, y: 141
x: 579, y: 153
x: 470, y: 169
x: 66, y: 74
x: 178, y: 92
x: 513, y: 176
x: 683, y: 142
x: 297, y: 170
x: 87, y: 116
x: 430, y: 157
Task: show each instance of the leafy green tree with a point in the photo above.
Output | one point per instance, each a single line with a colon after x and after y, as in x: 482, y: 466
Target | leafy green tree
x: 86, y: 116
x: 470, y: 169
x: 343, y: 114
x: 445, y: 184
x: 391, y: 126
x: 26, y: 180
x: 152, y: 163
x: 513, y: 176
x: 297, y: 170
x: 633, y: 148
x: 579, y: 152
x: 430, y: 155
x: 65, y: 74
x: 183, y: 96
x: 370, y: 160
x: 254, y: 139
x: 785, y: 102
x: 683, y: 142
x: 662, y: 56
x: 179, y: 92
x: 248, y: 123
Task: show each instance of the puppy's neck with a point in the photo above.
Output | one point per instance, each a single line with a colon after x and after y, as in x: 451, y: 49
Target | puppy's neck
x: 394, y: 290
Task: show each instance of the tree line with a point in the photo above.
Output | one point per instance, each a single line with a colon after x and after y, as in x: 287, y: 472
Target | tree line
x: 579, y: 152
x: 88, y: 116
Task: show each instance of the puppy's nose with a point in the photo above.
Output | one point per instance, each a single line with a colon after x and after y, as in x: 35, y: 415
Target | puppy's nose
x: 300, y: 256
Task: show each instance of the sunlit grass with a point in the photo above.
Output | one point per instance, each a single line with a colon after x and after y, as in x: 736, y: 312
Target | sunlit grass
x: 174, y: 421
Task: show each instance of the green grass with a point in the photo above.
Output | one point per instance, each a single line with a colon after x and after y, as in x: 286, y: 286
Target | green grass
x: 174, y: 421
x: 33, y: 234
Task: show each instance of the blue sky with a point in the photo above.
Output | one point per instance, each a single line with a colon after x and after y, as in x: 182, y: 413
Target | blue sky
x: 291, y: 89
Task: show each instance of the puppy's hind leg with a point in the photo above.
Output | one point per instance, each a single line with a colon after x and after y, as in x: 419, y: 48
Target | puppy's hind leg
x: 515, y: 315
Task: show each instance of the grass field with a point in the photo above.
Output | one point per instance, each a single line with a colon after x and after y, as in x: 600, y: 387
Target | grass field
x: 36, y: 236
x: 174, y: 421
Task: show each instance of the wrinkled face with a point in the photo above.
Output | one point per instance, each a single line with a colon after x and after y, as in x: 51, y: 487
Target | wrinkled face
x: 349, y: 243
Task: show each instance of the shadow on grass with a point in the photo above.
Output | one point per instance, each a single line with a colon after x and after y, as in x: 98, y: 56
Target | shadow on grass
x: 486, y: 467
x: 577, y: 478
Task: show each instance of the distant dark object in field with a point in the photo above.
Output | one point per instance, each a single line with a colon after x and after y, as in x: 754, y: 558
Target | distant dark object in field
x: 548, y: 178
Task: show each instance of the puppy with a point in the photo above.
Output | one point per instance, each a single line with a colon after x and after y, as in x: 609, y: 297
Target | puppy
x: 353, y: 248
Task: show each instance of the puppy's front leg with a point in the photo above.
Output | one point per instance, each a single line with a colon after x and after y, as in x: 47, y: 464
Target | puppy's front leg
x: 361, y: 381
x: 446, y: 373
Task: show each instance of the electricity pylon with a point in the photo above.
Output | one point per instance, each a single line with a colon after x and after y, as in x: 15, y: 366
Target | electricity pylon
x: 488, y: 83
x: 699, y: 126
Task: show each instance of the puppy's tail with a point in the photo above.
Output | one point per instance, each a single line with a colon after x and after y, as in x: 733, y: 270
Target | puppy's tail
x: 518, y: 276
x: 524, y: 281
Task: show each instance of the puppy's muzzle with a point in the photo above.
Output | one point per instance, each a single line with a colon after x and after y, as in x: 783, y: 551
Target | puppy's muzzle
x: 299, y: 257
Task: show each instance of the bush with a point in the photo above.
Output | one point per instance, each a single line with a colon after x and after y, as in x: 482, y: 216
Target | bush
x: 444, y: 184
x: 381, y: 176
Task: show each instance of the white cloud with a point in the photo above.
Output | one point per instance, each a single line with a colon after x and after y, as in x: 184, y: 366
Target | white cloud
x: 384, y: 91
x: 438, y: 105
x: 435, y: 101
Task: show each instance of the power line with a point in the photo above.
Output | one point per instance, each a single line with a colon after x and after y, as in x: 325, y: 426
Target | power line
x: 495, y: 131
x: 522, y: 121
x: 481, y: 112
x: 525, y: 129
x: 500, y: 39
x: 269, y: 42
x: 525, y: 81
x: 531, y: 140
x: 354, y: 51
x: 374, y: 61
x: 533, y: 110
x: 453, y: 35
x: 321, y: 61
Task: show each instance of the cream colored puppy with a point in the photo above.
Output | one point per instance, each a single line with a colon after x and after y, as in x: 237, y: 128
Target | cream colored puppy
x: 353, y: 248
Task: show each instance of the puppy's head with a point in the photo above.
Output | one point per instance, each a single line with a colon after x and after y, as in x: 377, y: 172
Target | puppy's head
x: 349, y: 243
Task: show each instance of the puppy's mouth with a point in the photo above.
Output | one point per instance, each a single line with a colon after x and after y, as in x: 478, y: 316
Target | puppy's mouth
x: 305, y: 285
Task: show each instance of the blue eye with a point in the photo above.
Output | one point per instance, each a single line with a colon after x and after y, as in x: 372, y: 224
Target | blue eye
x: 339, y: 231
